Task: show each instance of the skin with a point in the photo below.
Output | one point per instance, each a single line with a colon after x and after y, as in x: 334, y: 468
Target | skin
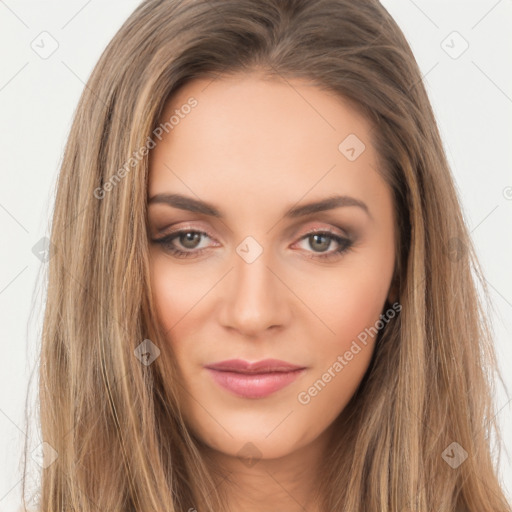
x: 254, y: 148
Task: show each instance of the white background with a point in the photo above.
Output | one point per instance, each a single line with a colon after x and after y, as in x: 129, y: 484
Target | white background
x: 471, y: 96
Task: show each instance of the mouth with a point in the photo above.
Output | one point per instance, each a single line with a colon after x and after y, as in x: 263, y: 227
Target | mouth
x: 254, y: 380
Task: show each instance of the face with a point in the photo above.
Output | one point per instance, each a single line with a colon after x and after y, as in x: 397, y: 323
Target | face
x: 250, y: 262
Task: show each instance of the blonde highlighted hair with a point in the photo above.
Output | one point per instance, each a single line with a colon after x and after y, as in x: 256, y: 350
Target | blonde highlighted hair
x: 116, y: 424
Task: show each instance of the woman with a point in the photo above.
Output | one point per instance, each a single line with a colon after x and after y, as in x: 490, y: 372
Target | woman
x: 263, y: 294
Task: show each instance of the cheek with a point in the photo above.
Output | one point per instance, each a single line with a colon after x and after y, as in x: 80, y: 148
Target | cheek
x: 349, y: 301
x: 352, y: 309
x: 180, y: 293
x: 176, y: 289
x: 359, y: 305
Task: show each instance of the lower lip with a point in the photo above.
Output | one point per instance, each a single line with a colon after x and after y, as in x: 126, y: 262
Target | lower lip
x: 259, y: 385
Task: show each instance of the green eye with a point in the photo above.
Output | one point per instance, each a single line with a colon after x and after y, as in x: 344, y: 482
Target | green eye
x: 184, y: 244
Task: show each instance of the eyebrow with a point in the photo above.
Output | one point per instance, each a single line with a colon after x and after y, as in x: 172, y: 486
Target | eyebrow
x: 197, y: 206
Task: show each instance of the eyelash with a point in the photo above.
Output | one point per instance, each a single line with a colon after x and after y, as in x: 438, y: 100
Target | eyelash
x: 345, y: 244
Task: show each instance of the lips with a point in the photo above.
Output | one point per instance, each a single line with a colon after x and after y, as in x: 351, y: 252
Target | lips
x: 254, y: 380
x: 263, y: 366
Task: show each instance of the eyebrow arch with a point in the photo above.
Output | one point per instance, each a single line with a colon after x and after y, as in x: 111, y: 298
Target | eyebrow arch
x: 195, y: 205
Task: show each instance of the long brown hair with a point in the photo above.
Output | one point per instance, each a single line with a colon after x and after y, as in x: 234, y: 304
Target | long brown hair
x: 115, y: 423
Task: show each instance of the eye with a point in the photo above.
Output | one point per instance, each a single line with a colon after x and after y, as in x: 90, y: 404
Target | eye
x: 320, y: 241
x: 186, y: 244
x: 186, y: 238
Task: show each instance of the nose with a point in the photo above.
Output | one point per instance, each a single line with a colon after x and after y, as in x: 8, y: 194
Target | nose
x: 255, y: 299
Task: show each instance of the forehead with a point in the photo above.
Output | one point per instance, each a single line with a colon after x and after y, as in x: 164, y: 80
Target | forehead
x: 261, y: 139
x: 255, y: 103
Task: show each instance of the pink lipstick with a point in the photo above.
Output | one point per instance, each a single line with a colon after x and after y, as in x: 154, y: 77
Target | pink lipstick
x: 254, y: 380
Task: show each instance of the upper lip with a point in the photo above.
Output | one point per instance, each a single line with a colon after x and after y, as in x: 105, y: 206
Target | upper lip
x: 263, y: 366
